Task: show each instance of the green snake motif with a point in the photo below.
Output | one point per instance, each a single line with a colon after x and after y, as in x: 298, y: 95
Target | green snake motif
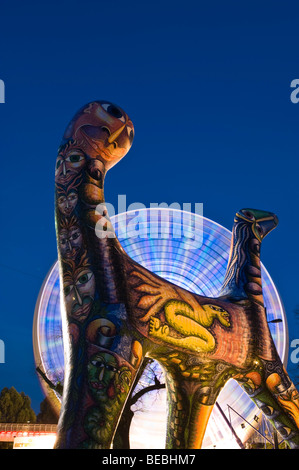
x: 191, y: 323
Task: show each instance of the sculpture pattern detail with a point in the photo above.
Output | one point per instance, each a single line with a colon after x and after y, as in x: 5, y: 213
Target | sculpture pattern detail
x: 116, y: 312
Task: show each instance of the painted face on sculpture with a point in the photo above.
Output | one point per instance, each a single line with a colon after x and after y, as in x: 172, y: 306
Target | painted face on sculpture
x: 67, y: 202
x: 217, y: 312
x: 222, y: 315
x: 79, y: 291
x: 101, y: 370
x: 105, y: 130
x: 70, y: 242
x: 70, y: 161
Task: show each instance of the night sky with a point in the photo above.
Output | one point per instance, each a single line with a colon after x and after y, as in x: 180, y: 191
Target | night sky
x: 207, y: 86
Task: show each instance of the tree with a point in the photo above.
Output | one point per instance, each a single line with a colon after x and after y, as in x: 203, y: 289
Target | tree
x: 46, y: 414
x: 57, y: 388
x: 15, y: 407
x: 147, y: 380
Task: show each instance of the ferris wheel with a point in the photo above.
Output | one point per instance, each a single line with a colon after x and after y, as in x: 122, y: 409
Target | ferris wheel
x: 191, y: 251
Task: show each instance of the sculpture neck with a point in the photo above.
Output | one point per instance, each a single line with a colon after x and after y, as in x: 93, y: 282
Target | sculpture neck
x: 93, y: 209
x: 243, y: 275
x: 101, y: 240
x: 86, y: 237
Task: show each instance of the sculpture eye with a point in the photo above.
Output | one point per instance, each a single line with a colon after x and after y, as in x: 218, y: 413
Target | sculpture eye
x: 114, y: 111
x: 67, y: 290
x: 130, y: 133
x: 58, y: 163
x: 110, y: 368
x: 61, y: 199
x: 72, y: 197
x: 74, y: 158
x: 259, y: 229
x: 218, y: 309
x: 84, y: 278
x: 75, y: 235
x: 249, y: 215
x: 98, y: 364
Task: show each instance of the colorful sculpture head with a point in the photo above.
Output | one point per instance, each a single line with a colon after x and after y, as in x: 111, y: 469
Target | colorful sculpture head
x: 101, y: 130
x: 261, y: 222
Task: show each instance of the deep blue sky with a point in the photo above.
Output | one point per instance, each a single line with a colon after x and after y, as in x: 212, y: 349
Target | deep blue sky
x: 207, y: 85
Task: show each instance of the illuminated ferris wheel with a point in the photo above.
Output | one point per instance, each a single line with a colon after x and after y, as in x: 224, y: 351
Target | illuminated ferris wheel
x: 192, y: 252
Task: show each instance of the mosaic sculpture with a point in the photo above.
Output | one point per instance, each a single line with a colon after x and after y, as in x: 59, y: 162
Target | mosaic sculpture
x: 115, y: 312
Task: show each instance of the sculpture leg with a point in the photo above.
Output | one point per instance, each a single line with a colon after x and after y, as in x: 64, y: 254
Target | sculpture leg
x: 285, y: 393
x: 271, y: 389
x: 94, y: 395
x: 198, y: 423
x: 178, y: 413
x: 188, y: 413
